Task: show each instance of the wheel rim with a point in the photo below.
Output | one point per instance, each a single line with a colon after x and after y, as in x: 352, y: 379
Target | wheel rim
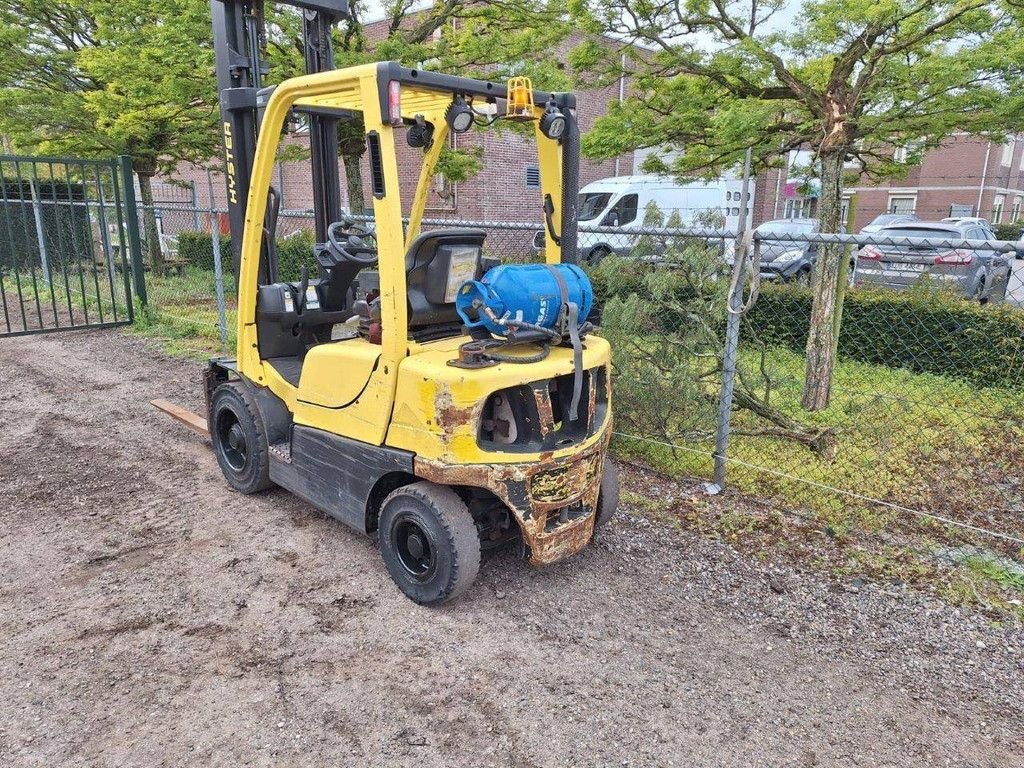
x: 413, y: 547
x: 232, y: 440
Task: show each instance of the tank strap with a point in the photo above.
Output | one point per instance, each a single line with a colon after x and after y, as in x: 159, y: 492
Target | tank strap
x: 570, y: 321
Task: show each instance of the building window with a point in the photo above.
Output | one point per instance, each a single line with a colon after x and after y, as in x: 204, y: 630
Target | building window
x: 532, y: 177
x: 1015, y: 217
x: 1008, y: 151
x: 799, y: 208
x: 844, y: 213
x: 902, y: 204
x: 900, y: 154
x: 997, y: 209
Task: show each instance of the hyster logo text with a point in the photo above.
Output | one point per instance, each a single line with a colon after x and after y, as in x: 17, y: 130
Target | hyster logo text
x: 229, y: 158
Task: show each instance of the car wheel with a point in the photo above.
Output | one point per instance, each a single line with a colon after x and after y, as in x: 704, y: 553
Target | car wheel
x: 803, y: 277
x: 239, y: 439
x: 597, y: 255
x: 429, y: 542
x: 981, y: 293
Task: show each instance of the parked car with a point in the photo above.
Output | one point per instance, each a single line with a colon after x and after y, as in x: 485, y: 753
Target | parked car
x: 784, y: 260
x: 976, y: 273
x: 886, y: 219
x: 619, y: 204
x: 967, y: 220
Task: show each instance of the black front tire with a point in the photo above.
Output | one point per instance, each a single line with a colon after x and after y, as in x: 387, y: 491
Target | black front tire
x: 239, y: 438
x: 608, y: 495
x: 429, y: 542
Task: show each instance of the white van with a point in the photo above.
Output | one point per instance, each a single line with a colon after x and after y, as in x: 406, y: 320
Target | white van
x: 619, y: 204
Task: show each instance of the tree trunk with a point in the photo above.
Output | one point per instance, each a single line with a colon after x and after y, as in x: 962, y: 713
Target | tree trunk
x: 828, y: 287
x: 354, y: 183
x: 156, y: 255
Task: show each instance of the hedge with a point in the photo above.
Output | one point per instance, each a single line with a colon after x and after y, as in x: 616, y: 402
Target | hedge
x: 922, y: 332
x: 1009, y: 231
x: 196, y: 248
x: 66, y: 227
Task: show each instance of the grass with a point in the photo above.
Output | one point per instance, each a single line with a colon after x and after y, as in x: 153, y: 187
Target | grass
x: 915, y: 442
x: 72, y: 297
x: 897, y: 434
x: 182, y: 314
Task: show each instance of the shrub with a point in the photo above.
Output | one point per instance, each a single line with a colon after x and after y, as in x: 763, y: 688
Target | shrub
x: 1010, y: 231
x: 196, y: 248
x: 293, y: 251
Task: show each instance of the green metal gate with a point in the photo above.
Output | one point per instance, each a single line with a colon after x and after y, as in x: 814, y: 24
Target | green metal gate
x: 67, y: 227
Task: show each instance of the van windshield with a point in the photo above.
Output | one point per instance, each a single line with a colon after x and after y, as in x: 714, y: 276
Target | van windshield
x: 591, y: 204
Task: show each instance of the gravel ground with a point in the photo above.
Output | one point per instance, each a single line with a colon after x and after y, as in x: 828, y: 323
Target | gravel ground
x: 151, y: 617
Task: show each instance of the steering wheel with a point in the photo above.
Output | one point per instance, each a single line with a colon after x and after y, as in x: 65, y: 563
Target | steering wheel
x: 348, y: 244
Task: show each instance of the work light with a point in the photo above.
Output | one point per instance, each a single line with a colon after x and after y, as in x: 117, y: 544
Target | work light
x: 552, y: 122
x: 421, y: 133
x: 459, y: 115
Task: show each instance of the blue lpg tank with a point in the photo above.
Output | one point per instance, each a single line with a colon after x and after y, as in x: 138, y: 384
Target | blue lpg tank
x: 524, y: 292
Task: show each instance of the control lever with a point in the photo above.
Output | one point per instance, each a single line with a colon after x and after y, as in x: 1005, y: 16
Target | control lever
x: 300, y: 307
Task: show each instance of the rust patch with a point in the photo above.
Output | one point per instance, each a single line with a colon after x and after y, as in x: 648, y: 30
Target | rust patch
x: 592, y: 400
x: 449, y: 415
x: 542, y: 399
x: 553, y: 500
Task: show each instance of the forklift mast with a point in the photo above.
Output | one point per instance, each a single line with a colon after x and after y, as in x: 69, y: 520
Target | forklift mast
x: 238, y: 38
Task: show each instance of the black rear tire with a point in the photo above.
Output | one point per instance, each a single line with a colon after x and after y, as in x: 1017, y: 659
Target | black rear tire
x: 429, y: 542
x: 239, y: 438
x: 608, y: 496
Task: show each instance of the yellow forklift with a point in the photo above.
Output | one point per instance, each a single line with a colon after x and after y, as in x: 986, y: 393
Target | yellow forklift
x: 409, y: 389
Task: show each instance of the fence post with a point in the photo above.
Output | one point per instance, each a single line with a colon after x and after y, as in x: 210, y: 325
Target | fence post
x: 195, y: 206
x: 732, y: 336
x: 218, y: 268
x: 131, y: 217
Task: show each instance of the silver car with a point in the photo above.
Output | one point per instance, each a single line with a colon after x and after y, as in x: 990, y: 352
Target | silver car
x: 977, y: 273
x: 885, y: 220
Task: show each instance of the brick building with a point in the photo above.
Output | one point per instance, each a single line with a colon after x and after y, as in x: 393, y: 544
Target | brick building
x: 965, y: 176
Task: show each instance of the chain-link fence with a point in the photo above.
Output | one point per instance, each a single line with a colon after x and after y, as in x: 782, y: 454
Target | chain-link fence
x: 925, y: 414
x: 923, y: 421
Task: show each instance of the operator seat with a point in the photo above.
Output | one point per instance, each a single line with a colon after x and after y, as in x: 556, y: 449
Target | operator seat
x: 436, y: 264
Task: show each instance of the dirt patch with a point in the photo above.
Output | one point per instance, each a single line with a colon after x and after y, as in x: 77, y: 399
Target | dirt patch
x: 149, y: 616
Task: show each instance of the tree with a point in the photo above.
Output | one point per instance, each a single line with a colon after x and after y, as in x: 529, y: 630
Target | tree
x: 468, y: 38
x: 667, y: 327
x: 95, y: 78
x: 850, y: 79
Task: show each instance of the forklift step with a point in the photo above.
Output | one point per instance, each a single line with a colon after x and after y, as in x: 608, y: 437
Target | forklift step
x: 281, y: 452
x: 191, y: 420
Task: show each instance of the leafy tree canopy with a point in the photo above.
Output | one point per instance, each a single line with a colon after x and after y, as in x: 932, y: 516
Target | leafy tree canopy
x: 850, y: 79
x: 105, y: 77
x: 845, y: 77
